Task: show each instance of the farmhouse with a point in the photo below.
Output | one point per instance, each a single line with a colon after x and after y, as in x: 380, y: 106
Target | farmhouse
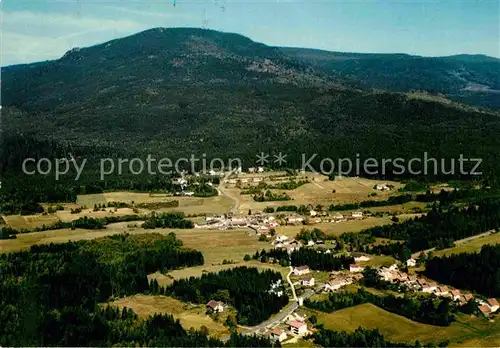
x: 308, y: 281
x: 430, y: 287
x: 215, y: 306
x: 455, y: 294
x: 298, y: 328
x: 465, y: 298
x: 358, y: 257
x: 297, y: 316
x: 300, y: 270
x: 442, y: 291
x: 356, y: 268
x: 382, y: 187
x: 335, y: 284
x: 278, y: 335
x: 357, y: 215
x: 294, y: 220
x: 338, y: 217
x: 411, y: 263
x: 493, y: 303
x: 281, y: 238
x: 485, y: 310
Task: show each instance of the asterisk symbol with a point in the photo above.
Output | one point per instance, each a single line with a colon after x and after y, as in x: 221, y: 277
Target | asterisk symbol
x: 262, y: 158
x: 280, y: 158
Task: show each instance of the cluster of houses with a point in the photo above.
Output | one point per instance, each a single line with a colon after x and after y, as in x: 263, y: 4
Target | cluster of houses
x: 261, y: 223
x: 295, y: 326
x: 393, y: 275
x: 338, y: 281
x: 285, y: 243
x: 317, y: 217
x: 234, y: 181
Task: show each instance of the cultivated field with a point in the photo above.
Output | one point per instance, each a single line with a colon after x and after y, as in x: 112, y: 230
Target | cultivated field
x: 190, y: 315
x: 468, y: 331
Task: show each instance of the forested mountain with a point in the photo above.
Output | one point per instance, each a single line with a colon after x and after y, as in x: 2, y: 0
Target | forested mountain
x: 176, y: 92
x: 474, y: 79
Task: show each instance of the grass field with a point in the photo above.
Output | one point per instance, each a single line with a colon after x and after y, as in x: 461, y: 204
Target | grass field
x: 26, y: 240
x: 66, y: 216
x: 190, y: 315
x: 30, y: 221
x: 216, y: 245
x: 468, y: 331
x: 336, y: 228
x: 474, y: 245
x: 188, y: 205
x: 319, y: 191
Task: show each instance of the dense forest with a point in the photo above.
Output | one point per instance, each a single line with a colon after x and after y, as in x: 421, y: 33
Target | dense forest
x: 478, y: 272
x: 320, y: 261
x: 305, y: 256
x: 247, y: 289
x: 50, y: 294
x: 424, y: 309
x: 361, y: 337
x: 440, y: 227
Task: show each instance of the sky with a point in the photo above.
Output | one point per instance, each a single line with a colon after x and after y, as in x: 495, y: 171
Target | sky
x: 36, y: 30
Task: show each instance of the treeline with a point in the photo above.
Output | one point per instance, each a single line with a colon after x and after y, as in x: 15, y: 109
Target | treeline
x: 320, y: 261
x: 246, y: 289
x: 393, y: 200
x: 167, y: 220
x: 274, y: 255
x: 439, y: 227
x: 424, y: 309
x: 50, y: 294
x: 305, y: 257
x: 85, y: 222
x: 269, y: 196
x: 478, y: 272
x: 361, y: 337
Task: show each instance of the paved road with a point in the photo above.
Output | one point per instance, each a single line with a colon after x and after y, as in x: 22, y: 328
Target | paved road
x: 222, y: 191
x: 291, y: 284
x: 457, y: 242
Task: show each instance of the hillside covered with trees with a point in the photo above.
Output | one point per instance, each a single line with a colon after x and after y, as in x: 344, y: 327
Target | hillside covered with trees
x: 176, y: 92
x: 478, y: 272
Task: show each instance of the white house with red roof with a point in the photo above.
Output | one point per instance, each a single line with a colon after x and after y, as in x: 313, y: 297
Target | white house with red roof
x: 298, y: 328
x: 278, y: 335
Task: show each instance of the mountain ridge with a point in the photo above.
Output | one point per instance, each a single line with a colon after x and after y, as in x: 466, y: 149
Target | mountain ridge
x: 187, y: 91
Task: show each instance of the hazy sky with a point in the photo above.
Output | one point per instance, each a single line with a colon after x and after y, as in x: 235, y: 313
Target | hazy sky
x: 41, y: 29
